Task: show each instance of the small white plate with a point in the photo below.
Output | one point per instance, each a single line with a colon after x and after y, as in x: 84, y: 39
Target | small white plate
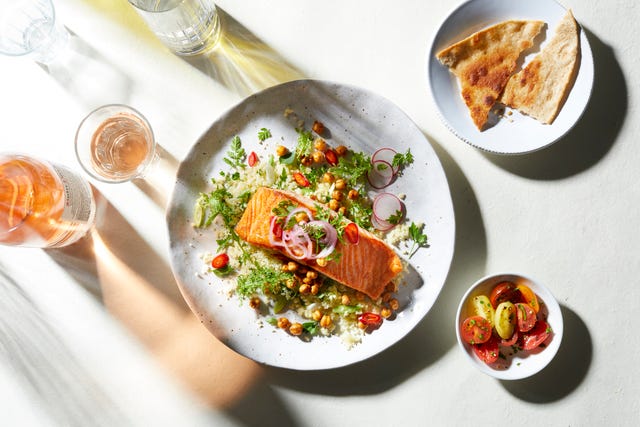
x: 517, y: 133
x: 360, y: 120
x: 521, y: 364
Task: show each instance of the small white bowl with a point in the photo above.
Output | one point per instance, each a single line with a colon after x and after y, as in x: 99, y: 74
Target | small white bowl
x: 521, y: 364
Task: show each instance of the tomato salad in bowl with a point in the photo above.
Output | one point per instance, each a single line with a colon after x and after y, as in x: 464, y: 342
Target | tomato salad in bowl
x: 510, y: 326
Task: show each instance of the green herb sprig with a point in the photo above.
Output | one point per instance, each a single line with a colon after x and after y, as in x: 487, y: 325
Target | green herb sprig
x: 418, y: 237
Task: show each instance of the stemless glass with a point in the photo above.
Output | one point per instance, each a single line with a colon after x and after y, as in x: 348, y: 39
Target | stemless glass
x: 187, y: 27
x: 29, y: 28
x: 115, y: 143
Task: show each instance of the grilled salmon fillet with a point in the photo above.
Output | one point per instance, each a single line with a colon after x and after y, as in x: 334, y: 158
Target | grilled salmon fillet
x: 367, y: 266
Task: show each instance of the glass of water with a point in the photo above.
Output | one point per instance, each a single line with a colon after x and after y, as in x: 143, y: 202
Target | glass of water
x: 115, y: 143
x: 187, y: 27
x: 29, y: 28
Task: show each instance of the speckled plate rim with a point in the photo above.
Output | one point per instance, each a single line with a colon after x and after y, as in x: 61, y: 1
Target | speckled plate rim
x: 359, y: 119
x: 515, y: 134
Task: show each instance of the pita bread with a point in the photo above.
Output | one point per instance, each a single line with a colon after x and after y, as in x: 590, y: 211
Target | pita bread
x: 540, y: 89
x: 484, y: 61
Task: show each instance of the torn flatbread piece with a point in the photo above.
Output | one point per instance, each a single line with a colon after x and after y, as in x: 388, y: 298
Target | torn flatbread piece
x: 484, y: 61
x: 540, y: 89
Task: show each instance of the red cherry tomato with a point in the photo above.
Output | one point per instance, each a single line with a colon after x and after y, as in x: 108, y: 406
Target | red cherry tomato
x: 331, y: 156
x: 252, y: 159
x: 220, y: 261
x: 527, y: 296
x: 511, y: 341
x: 488, y: 352
x: 526, y: 317
x: 475, y: 330
x: 370, y: 319
x: 503, y: 291
x: 301, y: 180
x: 276, y: 230
x: 536, y: 336
x: 352, y: 233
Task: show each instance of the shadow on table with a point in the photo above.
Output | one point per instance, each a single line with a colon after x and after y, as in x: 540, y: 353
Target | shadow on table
x: 88, y: 76
x: 158, y: 182
x: 565, y: 372
x: 241, y: 61
x: 433, y: 336
x: 594, y: 134
x: 137, y: 287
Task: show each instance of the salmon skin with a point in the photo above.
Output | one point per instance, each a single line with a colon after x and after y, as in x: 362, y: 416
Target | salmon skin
x: 367, y: 266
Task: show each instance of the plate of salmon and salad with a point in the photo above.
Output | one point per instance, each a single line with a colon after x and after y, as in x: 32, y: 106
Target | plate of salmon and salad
x: 311, y: 227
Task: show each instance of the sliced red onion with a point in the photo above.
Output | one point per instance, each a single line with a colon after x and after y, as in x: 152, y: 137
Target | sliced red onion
x: 330, y: 238
x: 298, y: 210
x: 385, y: 154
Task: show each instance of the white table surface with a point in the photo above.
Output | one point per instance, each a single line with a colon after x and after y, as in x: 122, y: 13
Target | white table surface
x: 107, y: 340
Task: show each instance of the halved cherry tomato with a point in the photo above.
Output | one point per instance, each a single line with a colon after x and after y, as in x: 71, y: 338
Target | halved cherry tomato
x: 503, y: 291
x: 252, y: 159
x: 526, y: 317
x: 535, y: 336
x: 488, y: 352
x: 352, y: 233
x: 475, y: 330
x: 331, y: 156
x: 511, y: 341
x: 301, y: 180
x: 369, y: 319
x: 527, y: 296
x: 277, y: 230
x: 220, y: 261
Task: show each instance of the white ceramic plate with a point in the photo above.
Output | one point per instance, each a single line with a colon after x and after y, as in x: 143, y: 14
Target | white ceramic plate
x: 521, y: 364
x: 360, y: 120
x: 517, y: 133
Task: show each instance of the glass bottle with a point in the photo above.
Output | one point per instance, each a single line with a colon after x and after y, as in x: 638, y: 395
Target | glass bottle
x: 42, y: 204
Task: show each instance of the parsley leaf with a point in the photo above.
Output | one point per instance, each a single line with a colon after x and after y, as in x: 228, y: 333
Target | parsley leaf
x: 264, y: 280
x: 264, y: 134
x: 235, y: 154
x: 401, y: 160
x: 305, y: 143
x: 353, y: 168
x: 418, y: 237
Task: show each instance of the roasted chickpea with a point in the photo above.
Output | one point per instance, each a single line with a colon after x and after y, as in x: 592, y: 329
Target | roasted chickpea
x: 345, y: 300
x: 340, y: 184
x: 290, y: 283
x: 341, y: 150
x: 254, y: 303
x: 307, y: 280
x: 301, y: 216
x: 312, y: 275
x: 316, y: 315
x: 318, y: 127
x: 295, y: 329
x: 281, y: 150
x: 315, y: 288
x: 304, y: 288
x: 353, y: 194
x: 394, y: 304
x: 306, y: 160
x: 386, y: 312
x: 320, y: 144
x: 292, y: 266
x: 318, y: 156
x: 328, y: 178
x: 342, y: 210
x: 334, y: 204
x: 337, y: 195
x: 326, y: 321
x: 322, y: 262
x: 283, y: 323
